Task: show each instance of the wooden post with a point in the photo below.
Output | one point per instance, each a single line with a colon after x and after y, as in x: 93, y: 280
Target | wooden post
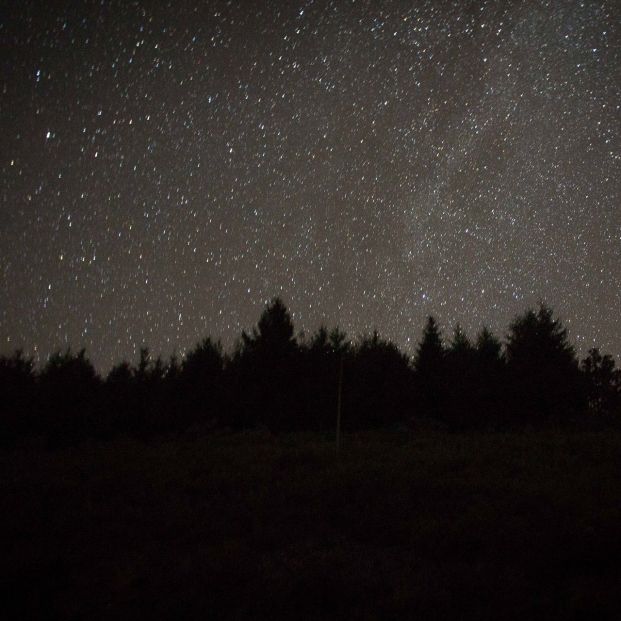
x: 338, y: 406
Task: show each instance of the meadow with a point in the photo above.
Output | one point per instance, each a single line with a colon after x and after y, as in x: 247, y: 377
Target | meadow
x: 418, y: 524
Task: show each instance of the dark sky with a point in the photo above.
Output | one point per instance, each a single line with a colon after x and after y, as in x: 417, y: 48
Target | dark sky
x: 168, y: 167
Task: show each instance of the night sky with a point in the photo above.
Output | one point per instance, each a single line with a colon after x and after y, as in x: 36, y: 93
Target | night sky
x: 167, y: 168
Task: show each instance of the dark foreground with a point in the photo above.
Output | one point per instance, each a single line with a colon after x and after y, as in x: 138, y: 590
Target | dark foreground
x: 247, y: 526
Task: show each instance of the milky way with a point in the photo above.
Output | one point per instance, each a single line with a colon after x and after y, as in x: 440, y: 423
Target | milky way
x: 167, y: 168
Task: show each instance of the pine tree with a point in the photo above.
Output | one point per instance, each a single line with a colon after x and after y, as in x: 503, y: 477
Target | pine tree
x: 430, y: 371
x: 267, y: 369
x: 274, y: 334
x: 489, y: 348
x: 430, y: 352
x: 542, y: 367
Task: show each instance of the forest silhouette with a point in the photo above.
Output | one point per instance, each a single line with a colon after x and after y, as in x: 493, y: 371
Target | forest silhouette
x: 275, y: 380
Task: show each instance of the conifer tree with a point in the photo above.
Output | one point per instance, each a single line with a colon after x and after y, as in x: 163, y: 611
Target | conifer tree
x: 542, y: 366
x: 430, y: 371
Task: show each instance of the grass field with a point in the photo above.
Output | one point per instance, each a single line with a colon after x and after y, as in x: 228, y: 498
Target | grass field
x: 245, y: 526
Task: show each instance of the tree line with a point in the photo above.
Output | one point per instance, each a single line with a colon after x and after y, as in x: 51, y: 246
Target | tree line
x: 275, y: 380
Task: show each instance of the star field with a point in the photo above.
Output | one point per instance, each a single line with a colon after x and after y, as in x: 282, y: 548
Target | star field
x: 168, y: 167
